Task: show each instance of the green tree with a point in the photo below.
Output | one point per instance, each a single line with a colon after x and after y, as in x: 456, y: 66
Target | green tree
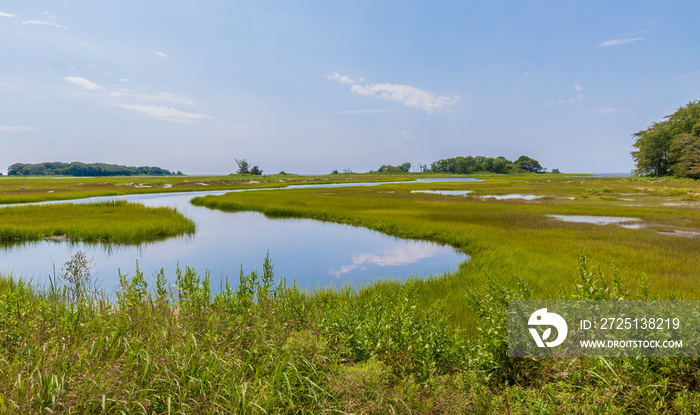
x: 526, y: 163
x: 243, y: 166
x: 256, y: 171
x: 470, y: 165
x: 670, y: 146
x: 501, y: 165
x: 653, y: 150
x: 81, y: 169
x: 403, y: 168
x: 686, y: 147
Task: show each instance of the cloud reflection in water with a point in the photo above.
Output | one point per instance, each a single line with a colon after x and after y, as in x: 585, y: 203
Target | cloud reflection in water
x: 398, y: 256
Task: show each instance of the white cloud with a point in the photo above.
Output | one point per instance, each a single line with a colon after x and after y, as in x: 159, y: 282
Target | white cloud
x: 16, y: 128
x: 607, y: 110
x: 364, y: 111
x: 580, y: 96
x: 616, y: 42
x: 161, y: 54
x: 49, y: 20
x: 44, y: 23
x: 3, y: 14
x: 164, y: 113
x: 343, y: 79
x: 148, y: 104
x: 406, y: 94
x: 82, y: 82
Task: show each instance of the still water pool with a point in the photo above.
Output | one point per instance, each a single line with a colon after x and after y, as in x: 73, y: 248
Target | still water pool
x: 311, y: 253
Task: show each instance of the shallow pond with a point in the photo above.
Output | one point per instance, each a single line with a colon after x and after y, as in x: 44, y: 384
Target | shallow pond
x: 444, y: 192
x: 312, y: 253
x: 630, y: 223
x: 511, y: 196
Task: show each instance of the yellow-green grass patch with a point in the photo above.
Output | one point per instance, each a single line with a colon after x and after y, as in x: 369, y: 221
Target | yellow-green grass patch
x: 109, y: 222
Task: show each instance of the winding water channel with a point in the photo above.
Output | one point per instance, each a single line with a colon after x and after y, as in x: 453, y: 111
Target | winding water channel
x: 311, y: 253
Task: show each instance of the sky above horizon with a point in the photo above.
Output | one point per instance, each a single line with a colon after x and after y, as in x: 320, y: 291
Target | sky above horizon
x: 309, y: 87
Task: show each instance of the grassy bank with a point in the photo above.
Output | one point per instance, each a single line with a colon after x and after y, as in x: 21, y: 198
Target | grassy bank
x: 513, y: 237
x: 265, y: 349
x: 108, y: 222
x: 40, y: 189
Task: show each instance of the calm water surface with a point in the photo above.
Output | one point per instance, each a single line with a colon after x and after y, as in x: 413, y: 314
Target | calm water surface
x: 312, y: 253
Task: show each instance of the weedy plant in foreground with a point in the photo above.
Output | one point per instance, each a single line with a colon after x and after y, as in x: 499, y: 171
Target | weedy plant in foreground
x: 266, y: 347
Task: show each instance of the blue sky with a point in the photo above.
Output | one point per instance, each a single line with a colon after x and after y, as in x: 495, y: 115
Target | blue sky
x: 308, y: 87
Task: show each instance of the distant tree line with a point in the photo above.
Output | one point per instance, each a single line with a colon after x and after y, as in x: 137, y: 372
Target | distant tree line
x: 402, y: 168
x: 471, y: 165
x: 83, y: 169
x: 481, y: 164
x: 670, y: 147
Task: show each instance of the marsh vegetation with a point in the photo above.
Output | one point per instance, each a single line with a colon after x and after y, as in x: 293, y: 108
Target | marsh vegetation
x: 117, y: 222
x: 261, y: 347
x: 509, y: 237
x: 169, y: 343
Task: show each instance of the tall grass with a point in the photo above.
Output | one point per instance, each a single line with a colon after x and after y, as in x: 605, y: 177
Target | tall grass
x: 110, y: 222
x: 262, y: 348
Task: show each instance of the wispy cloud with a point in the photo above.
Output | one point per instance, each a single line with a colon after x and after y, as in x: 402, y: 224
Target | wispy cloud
x: 579, y: 97
x: 3, y: 14
x: 161, y: 54
x: 145, y: 104
x: 83, y: 83
x: 48, y: 20
x: 16, y: 128
x: 343, y: 79
x: 406, y: 94
x: 622, y: 41
x: 364, y: 111
x: 607, y: 110
x: 164, y: 113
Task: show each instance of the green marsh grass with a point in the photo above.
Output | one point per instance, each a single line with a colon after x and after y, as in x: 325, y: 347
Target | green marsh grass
x: 506, y: 238
x: 118, y: 222
x: 41, y: 188
x: 263, y: 348
x: 433, y: 345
